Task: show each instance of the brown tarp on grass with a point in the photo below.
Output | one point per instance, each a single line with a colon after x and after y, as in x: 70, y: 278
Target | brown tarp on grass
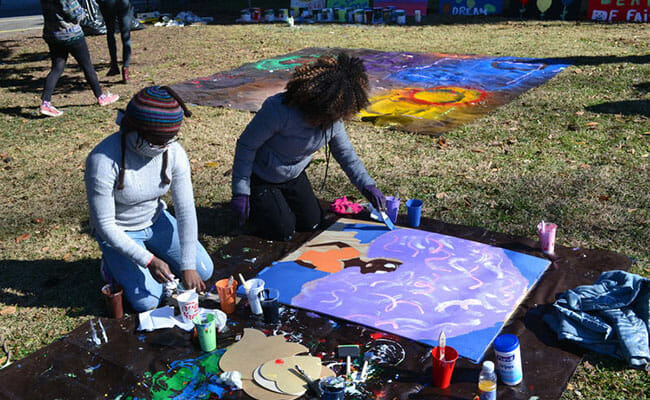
x: 75, y: 368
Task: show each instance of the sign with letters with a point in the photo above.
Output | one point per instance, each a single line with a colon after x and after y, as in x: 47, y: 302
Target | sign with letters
x: 619, y: 10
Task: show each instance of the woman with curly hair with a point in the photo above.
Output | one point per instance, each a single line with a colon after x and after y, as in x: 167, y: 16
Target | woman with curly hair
x: 269, y: 178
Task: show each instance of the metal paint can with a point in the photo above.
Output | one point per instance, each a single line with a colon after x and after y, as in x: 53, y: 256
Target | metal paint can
x: 269, y: 15
x: 343, y: 12
x: 256, y: 13
x: 418, y: 16
x: 367, y: 15
x: 358, y: 16
x: 377, y: 15
x: 400, y: 17
x: 245, y: 15
x: 317, y: 14
x: 283, y: 14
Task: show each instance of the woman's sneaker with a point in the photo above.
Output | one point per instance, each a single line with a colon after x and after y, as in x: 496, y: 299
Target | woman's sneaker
x: 48, y: 109
x: 107, y: 98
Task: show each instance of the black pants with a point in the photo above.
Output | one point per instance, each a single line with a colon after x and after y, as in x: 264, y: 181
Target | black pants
x: 117, y: 12
x: 59, y: 54
x: 280, y: 209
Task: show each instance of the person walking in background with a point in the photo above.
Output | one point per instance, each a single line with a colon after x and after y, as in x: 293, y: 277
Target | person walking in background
x: 118, y: 12
x: 63, y: 35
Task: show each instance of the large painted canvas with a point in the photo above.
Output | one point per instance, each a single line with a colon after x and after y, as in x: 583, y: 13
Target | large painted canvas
x: 418, y: 92
x: 408, y: 282
x: 409, y: 6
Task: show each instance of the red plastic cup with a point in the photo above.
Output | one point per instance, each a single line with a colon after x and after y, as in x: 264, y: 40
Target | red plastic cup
x: 443, y: 369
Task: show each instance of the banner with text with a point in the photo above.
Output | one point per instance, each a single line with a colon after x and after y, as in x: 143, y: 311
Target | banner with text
x: 619, y: 10
x: 471, y: 7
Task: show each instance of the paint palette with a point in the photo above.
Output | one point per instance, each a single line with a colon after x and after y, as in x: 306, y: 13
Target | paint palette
x: 408, y: 282
x: 419, y: 92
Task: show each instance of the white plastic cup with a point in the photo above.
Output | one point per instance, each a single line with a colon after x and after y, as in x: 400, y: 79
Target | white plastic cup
x: 508, y: 355
x: 418, y: 16
x: 255, y: 286
x: 188, y: 302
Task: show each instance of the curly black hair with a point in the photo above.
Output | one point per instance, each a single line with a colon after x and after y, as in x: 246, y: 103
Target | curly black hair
x: 329, y: 89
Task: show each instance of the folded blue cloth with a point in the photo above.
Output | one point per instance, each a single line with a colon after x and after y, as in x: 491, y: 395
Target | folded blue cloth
x: 611, y: 317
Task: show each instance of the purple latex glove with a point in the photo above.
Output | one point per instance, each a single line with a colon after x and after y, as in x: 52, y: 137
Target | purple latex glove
x: 240, y: 206
x: 375, y: 196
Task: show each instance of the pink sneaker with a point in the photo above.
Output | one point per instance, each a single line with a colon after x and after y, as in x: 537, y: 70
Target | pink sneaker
x: 107, y: 98
x: 49, y: 110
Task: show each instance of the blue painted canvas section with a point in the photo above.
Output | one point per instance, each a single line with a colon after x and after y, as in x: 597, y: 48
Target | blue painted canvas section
x: 491, y: 74
x: 530, y: 267
x: 288, y: 277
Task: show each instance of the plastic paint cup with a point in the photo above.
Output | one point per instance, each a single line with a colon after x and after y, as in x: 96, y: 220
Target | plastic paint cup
x: 392, y: 207
x: 546, y: 232
x: 418, y: 16
x: 206, y: 329
x: 255, y: 286
x: 358, y: 16
x: 508, y: 354
x: 332, y: 388
x: 270, y: 305
x: 414, y: 209
x: 226, y: 295
x: 269, y: 15
x: 343, y: 12
x: 113, y: 298
x: 188, y: 303
x: 443, y: 369
x: 400, y: 17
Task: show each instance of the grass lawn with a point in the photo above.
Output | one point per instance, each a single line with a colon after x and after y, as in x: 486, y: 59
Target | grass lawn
x: 574, y: 151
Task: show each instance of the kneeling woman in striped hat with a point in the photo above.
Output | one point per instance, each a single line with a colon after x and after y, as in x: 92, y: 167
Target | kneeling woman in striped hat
x: 143, y: 245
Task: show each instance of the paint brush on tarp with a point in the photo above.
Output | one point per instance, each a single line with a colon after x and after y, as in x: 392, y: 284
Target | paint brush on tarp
x: 348, y: 366
x: 381, y: 216
x: 442, y: 343
x: 244, y: 283
x: 96, y: 339
x: 99, y: 321
x: 313, y: 385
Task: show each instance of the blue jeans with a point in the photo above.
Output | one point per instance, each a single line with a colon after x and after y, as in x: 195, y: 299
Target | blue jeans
x: 140, y: 288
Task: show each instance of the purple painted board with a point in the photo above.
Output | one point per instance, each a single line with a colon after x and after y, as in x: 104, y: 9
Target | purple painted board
x: 427, y: 93
x: 408, y: 282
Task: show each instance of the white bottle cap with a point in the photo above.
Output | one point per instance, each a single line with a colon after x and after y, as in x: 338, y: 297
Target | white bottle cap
x: 488, y: 366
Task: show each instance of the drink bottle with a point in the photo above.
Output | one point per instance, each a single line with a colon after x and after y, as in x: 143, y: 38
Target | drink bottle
x: 487, y: 382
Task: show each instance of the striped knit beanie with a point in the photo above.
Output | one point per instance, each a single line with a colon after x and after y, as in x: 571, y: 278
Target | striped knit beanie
x: 156, y: 110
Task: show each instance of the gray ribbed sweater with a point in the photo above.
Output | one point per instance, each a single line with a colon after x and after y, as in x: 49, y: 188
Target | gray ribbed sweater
x: 139, y: 204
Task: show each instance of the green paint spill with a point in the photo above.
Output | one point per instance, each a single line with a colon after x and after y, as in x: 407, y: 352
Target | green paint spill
x: 186, y: 379
x: 282, y: 63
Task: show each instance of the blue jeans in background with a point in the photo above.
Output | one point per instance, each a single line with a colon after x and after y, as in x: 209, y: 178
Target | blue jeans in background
x: 140, y: 288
